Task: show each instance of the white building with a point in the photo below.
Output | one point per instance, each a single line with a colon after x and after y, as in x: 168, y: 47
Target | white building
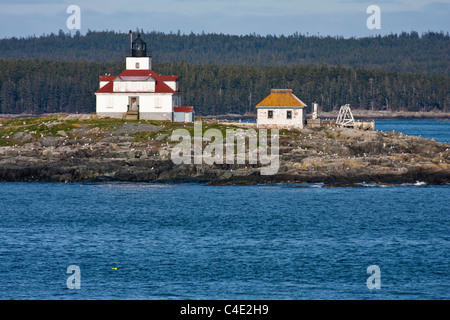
x: 139, y: 92
x: 281, y: 109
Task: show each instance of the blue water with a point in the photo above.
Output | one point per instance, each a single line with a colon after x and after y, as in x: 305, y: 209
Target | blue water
x: 430, y: 129
x: 193, y: 241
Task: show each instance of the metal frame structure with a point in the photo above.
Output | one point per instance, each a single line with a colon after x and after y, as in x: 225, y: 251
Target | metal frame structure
x: 345, y: 117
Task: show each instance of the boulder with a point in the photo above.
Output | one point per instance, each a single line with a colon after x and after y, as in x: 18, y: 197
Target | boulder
x: 22, y: 137
x: 51, y: 141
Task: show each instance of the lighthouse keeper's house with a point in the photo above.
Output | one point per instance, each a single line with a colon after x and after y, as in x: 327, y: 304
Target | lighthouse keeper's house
x: 141, y: 93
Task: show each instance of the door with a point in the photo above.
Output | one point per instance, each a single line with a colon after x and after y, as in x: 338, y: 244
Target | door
x: 133, y: 104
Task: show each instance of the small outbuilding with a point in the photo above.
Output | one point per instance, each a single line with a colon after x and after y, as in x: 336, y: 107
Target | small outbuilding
x: 183, y: 114
x: 281, y: 109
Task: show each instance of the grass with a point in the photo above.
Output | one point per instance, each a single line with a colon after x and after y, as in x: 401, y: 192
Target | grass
x: 53, y: 125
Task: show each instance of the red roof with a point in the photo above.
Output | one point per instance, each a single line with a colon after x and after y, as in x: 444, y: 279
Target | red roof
x: 183, y: 109
x: 169, y: 78
x: 106, y: 78
x: 106, y: 88
x: 139, y: 75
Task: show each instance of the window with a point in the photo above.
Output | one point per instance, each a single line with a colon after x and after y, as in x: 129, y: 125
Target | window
x: 288, y: 114
x: 137, y: 65
x: 176, y: 101
x: 158, y: 102
x: 270, y: 114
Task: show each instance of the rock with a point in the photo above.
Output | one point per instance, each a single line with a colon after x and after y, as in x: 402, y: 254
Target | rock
x: 22, y: 137
x: 52, y: 124
x: 91, y: 131
x: 51, y: 141
x: 47, y: 154
x: 84, y: 117
x: 117, y: 139
x: 77, y: 142
x: 330, y: 156
x: 62, y: 133
x: 349, y: 133
x: 71, y: 117
x: 131, y: 128
x: 65, y: 177
x: 161, y: 137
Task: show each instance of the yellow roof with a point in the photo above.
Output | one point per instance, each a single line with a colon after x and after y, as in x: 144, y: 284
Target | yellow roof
x: 281, y: 98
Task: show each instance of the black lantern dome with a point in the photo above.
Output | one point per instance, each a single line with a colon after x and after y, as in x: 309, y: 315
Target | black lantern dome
x: 138, y: 47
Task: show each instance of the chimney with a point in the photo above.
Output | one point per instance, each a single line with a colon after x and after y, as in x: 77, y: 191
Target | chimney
x: 131, y: 41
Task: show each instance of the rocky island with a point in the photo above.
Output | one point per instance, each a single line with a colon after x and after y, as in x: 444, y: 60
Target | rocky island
x: 68, y: 148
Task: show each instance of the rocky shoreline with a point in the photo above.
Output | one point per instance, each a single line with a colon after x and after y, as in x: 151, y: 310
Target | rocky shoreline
x: 83, y: 148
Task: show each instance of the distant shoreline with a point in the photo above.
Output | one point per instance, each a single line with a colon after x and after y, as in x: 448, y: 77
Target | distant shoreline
x: 358, y: 114
x: 398, y: 115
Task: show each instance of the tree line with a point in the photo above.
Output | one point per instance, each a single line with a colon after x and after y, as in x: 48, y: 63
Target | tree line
x: 44, y: 86
x: 428, y: 53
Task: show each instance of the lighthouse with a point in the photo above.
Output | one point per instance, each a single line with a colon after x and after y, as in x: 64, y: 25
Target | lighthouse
x: 138, y: 58
x: 139, y: 92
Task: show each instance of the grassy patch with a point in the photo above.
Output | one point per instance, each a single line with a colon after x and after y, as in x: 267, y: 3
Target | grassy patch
x: 98, y: 128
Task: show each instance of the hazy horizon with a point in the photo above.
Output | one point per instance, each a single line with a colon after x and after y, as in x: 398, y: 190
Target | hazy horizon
x: 138, y: 30
x: 335, y: 18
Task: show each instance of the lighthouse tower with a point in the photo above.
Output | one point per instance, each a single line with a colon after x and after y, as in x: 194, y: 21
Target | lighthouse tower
x: 138, y: 58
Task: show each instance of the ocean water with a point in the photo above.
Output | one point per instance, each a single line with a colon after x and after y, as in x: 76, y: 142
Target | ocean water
x: 430, y: 129
x: 194, y: 241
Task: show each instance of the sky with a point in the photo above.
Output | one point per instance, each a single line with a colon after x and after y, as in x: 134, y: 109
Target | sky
x: 346, y: 18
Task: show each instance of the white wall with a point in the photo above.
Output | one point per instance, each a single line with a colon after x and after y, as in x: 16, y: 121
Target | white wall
x: 156, y: 102
x: 144, y: 63
x: 172, y: 84
x: 111, y: 102
x: 118, y: 102
x: 134, y: 86
x: 280, y: 117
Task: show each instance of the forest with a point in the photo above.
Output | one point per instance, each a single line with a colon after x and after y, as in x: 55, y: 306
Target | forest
x: 222, y: 74
x: 428, y: 53
x: 42, y: 86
